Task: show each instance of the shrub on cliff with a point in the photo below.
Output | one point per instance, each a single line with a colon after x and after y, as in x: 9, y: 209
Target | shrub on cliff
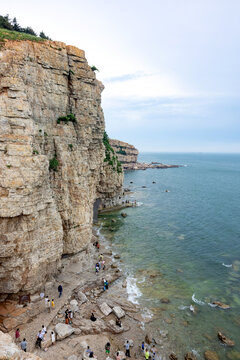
x: 70, y: 117
x: 53, y: 164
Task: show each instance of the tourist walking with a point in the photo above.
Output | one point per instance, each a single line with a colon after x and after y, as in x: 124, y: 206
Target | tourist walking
x: 46, y: 302
x: 53, y: 304
x: 142, y: 346
x: 107, y: 348
x: 66, y: 317
x: 39, y: 339
x: 127, y: 347
x: 53, y: 337
x: 118, y: 357
x: 17, y: 335
x: 24, y: 345
x: 60, y: 290
x: 70, y: 316
x: 49, y: 306
x: 146, y: 354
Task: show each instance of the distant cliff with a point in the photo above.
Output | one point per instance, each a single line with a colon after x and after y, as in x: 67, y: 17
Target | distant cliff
x: 127, y: 154
x: 52, y: 169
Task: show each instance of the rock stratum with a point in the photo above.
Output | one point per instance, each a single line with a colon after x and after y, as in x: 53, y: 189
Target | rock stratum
x: 128, y: 155
x: 46, y: 208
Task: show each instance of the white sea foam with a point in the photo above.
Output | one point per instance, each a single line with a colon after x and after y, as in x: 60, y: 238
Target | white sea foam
x: 199, y: 302
x: 139, y: 203
x: 226, y: 265
x: 133, y: 291
x: 147, y: 314
x: 212, y: 305
x: 183, y: 307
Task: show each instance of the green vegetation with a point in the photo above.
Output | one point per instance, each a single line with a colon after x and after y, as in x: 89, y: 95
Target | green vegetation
x: 70, y: 146
x: 122, y: 152
x: 8, y: 166
x: 14, y: 35
x: 7, y: 24
x: 94, y: 68
x: 45, y: 134
x: 70, y: 117
x: 35, y: 152
x: 109, y: 157
x: 71, y: 72
x: 53, y: 164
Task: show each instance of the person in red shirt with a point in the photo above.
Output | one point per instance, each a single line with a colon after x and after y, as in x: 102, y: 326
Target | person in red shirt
x: 17, y: 335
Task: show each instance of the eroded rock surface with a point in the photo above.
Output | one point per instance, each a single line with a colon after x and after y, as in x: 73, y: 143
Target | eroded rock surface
x: 48, y: 211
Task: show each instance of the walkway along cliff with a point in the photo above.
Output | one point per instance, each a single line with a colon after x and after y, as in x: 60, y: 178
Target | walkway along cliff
x: 52, y: 168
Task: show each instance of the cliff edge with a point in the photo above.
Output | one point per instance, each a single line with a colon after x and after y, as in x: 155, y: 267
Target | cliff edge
x: 52, y: 168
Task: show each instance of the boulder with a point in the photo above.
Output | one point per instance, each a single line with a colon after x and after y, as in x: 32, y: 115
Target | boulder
x: 211, y: 355
x: 114, y: 220
x: 165, y: 301
x: 147, y: 339
x: 221, y: 305
x: 63, y: 331
x: 225, y: 340
x: 190, y: 356
x: 172, y: 356
x: 114, y: 328
x: 74, y: 303
x: 119, y: 312
x: 117, y: 256
x: 9, y: 350
x: 105, y: 309
x: 81, y: 297
x: 113, y: 266
x: 124, y: 215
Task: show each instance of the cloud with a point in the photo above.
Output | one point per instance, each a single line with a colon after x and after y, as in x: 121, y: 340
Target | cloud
x: 125, y: 77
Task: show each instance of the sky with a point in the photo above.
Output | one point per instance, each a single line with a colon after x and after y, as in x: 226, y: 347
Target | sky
x: 170, y: 68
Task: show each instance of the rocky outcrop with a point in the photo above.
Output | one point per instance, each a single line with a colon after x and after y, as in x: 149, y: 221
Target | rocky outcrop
x: 51, y: 171
x: 127, y: 154
x: 9, y: 350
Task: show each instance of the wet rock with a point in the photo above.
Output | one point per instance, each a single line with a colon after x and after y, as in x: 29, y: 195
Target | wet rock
x: 172, y: 356
x: 154, y: 182
x: 221, y: 305
x: 105, y: 309
x: 168, y: 321
x: 118, y: 311
x: 225, y: 340
x: 113, y: 266
x: 117, y: 256
x: 190, y: 356
x: 163, y: 333
x: 114, y: 220
x: 124, y: 215
x: 211, y: 355
x: 63, y: 331
x: 165, y: 301
x: 144, y: 187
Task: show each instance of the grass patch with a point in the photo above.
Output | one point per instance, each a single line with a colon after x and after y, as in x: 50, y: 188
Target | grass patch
x: 70, y: 117
x: 53, y: 164
x: 15, y: 35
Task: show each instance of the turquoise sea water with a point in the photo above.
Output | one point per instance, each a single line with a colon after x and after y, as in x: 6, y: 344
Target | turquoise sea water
x: 175, y: 243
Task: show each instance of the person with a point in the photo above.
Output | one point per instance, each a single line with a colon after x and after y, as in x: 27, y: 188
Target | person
x: 118, y: 357
x: 66, y: 317
x: 53, y: 337
x: 118, y: 322
x: 106, y: 284
x: 91, y: 354
x: 146, y: 354
x: 107, y: 347
x: 142, y: 346
x: 49, y: 306
x: 60, y: 290
x: 103, y: 264
x: 53, y: 304
x: 88, y: 351
x: 43, y: 331
x: 70, y: 316
x: 127, y: 347
x: 97, y: 268
x: 46, y: 301
x: 24, y: 345
x: 100, y: 257
x: 153, y: 350
x: 98, y: 245
x: 93, y: 318
x: 39, y: 339
x: 42, y: 295
x: 17, y: 335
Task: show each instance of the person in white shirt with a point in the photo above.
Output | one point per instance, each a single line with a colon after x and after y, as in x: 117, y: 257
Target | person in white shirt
x: 53, y: 337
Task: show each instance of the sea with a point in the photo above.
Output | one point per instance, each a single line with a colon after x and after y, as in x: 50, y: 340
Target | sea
x: 181, y: 245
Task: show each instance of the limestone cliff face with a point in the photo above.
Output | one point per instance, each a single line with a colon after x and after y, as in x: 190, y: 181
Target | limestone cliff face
x: 127, y: 154
x: 46, y: 213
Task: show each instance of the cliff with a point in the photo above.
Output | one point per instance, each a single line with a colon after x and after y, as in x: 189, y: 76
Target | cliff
x: 127, y: 154
x: 52, y: 170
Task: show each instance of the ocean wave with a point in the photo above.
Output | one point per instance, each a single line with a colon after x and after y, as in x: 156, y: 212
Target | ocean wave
x: 226, y: 265
x: 199, y: 302
x: 133, y: 291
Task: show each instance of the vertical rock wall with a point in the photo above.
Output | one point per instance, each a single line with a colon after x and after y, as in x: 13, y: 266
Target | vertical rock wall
x: 46, y: 213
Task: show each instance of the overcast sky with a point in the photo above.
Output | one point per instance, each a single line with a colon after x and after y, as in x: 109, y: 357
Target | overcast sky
x: 170, y: 67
